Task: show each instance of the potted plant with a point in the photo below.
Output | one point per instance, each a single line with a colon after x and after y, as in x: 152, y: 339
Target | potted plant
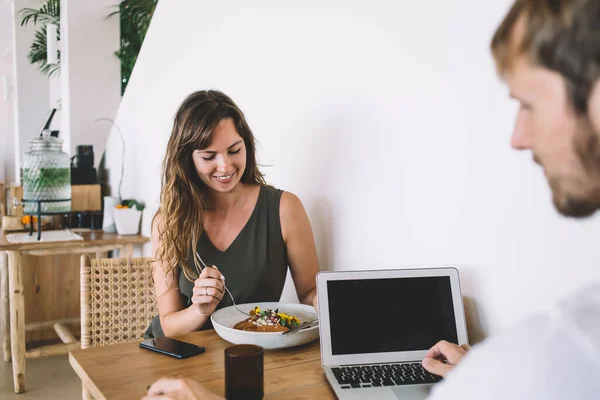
x: 127, y: 216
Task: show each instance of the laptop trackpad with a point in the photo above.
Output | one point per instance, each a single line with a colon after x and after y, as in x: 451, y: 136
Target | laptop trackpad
x: 413, y: 392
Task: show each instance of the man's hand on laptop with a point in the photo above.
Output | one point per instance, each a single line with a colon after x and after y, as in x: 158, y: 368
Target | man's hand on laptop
x: 442, y: 357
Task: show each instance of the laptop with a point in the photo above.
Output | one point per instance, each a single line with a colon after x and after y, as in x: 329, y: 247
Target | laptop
x: 377, y: 326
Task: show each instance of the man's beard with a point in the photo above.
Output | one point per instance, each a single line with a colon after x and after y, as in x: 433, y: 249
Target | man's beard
x: 571, y: 206
x: 587, y: 148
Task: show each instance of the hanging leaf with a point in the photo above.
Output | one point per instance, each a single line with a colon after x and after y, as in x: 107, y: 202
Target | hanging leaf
x: 49, y: 13
x: 135, y: 19
x: 38, y: 55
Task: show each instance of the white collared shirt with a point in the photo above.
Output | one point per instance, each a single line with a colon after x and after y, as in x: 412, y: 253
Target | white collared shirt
x: 550, y: 356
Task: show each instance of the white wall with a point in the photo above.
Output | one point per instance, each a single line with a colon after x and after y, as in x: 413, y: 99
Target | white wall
x: 5, y: 24
x: 7, y: 99
x: 55, y: 99
x: 90, y: 72
x: 7, y: 120
x: 388, y: 121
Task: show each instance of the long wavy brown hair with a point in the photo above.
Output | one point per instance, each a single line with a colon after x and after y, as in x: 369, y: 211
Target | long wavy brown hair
x: 183, y: 194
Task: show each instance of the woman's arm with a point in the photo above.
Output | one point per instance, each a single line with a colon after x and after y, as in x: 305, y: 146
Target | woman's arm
x: 175, y: 319
x: 301, y: 250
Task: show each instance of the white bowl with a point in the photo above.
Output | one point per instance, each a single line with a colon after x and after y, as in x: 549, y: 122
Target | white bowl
x: 224, y: 319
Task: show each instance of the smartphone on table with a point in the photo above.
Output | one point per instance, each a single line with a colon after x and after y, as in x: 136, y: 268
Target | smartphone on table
x: 172, y: 347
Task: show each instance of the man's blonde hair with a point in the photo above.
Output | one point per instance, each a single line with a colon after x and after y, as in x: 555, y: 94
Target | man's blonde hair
x: 530, y: 28
x: 560, y: 35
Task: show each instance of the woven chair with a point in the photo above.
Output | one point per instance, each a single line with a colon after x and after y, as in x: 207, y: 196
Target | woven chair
x: 117, y: 301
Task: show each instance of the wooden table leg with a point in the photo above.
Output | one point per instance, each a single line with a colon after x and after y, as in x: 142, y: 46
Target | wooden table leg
x: 17, y: 319
x: 127, y: 251
x: 4, y: 305
x: 85, y: 393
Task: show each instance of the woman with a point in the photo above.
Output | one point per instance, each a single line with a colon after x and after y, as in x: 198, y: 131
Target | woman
x: 216, y: 205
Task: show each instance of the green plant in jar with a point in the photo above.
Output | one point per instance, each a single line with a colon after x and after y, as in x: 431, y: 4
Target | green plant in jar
x: 46, y: 176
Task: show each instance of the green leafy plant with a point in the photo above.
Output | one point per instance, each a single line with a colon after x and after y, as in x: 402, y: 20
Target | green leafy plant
x: 135, y: 20
x: 48, y: 13
x: 130, y: 203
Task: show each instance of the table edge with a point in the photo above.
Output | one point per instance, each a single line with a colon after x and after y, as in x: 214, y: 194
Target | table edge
x: 121, y: 240
x: 85, y: 379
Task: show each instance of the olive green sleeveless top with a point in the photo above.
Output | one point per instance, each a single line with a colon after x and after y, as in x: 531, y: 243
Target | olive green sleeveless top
x: 254, y: 265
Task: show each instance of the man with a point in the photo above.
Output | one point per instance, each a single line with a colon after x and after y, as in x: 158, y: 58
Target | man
x: 548, y: 52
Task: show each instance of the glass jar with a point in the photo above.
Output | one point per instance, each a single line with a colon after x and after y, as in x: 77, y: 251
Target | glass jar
x: 46, y: 175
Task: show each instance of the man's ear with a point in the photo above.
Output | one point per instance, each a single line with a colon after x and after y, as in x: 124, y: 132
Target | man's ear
x: 594, y: 106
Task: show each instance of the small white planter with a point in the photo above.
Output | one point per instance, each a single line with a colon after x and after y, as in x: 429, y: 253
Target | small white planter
x: 127, y: 220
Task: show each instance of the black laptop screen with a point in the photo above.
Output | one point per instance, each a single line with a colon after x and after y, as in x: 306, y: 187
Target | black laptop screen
x: 392, y: 314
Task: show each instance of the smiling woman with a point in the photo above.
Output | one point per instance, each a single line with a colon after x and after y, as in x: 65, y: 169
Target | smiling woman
x: 216, y: 203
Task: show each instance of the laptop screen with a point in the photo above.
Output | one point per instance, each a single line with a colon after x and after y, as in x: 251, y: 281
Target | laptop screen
x: 390, y: 314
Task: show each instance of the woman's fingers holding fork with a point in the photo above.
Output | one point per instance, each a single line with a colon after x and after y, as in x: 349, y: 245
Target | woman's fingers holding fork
x: 206, y: 299
x: 211, y: 272
x: 208, y: 290
x: 210, y: 278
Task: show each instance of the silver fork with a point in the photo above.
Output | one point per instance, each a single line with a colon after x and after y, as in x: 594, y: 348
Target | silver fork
x: 302, y: 326
x: 230, y: 295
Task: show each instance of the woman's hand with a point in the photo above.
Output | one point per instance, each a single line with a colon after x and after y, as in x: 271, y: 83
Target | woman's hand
x: 179, y: 389
x: 208, y: 290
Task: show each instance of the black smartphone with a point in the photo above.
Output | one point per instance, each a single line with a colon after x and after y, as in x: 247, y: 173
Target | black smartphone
x: 172, y: 347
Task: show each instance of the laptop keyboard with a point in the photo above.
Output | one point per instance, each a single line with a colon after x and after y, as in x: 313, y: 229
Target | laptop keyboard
x: 383, y: 375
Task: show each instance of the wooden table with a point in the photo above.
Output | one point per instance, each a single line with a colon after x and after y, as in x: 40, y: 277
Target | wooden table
x: 13, y: 298
x: 123, y: 371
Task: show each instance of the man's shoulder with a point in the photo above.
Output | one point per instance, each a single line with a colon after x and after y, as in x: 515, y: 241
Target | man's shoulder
x: 543, y: 357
